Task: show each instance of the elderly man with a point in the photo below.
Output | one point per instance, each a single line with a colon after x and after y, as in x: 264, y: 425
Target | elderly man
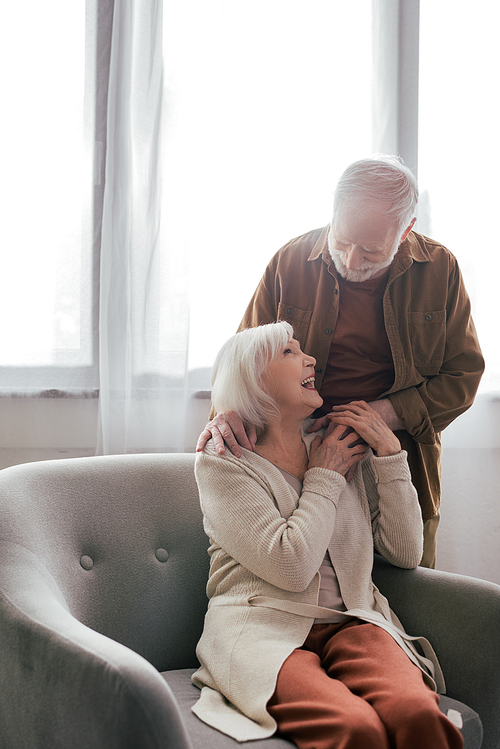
x: 385, y: 313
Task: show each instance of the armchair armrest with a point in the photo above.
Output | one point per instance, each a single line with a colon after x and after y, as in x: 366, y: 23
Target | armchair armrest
x: 64, y: 684
x: 461, y: 618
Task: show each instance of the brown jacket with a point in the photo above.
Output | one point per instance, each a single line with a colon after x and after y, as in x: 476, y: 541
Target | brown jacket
x: 437, y: 359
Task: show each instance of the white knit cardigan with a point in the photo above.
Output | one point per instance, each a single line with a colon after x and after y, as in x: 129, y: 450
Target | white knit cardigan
x: 267, y: 545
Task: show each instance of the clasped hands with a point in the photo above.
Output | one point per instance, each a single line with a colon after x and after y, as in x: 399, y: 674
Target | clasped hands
x: 350, y: 430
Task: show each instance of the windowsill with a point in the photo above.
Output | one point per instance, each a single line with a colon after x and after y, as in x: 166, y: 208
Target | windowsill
x: 80, y: 394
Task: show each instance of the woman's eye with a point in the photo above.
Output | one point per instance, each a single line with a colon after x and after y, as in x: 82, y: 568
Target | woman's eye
x: 287, y: 351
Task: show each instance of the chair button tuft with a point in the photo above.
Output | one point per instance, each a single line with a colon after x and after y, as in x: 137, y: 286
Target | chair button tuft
x: 86, y: 562
x: 161, y: 555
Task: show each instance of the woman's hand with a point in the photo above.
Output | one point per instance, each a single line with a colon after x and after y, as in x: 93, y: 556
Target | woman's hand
x: 228, y: 428
x: 369, y: 425
x: 340, y: 450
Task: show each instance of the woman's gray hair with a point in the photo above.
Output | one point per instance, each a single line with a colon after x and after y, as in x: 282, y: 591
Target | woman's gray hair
x: 239, y: 368
x: 383, y: 179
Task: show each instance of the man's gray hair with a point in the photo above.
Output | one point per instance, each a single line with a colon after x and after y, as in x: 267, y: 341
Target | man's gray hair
x: 382, y: 179
x: 239, y: 368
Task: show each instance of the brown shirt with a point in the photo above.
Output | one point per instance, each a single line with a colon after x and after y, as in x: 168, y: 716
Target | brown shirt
x: 359, y: 365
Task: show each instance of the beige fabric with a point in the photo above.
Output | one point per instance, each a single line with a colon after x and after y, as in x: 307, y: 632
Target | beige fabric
x: 266, y: 548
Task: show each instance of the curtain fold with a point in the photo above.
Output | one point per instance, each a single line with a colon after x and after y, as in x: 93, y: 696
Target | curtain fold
x: 395, y: 78
x: 130, y: 378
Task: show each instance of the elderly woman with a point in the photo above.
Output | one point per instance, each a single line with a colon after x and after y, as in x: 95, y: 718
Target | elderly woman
x: 297, y: 638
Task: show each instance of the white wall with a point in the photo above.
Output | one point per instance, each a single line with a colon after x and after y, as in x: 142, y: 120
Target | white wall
x: 46, y: 429
x: 34, y: 429
x: 469, y: 532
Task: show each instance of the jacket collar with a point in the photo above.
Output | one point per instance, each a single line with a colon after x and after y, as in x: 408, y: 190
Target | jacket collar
x: 414, y: 247
x: 320, y: 247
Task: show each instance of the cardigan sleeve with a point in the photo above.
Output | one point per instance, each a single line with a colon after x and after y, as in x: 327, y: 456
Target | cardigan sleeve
x: 396, y: 516
x: 242, y: 517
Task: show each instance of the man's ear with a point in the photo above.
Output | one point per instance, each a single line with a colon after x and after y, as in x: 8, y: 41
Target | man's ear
x: 407, y: 231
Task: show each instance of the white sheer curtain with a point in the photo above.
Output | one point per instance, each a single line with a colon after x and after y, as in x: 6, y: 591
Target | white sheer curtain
x: 142, y: 364
x: 208, y: 173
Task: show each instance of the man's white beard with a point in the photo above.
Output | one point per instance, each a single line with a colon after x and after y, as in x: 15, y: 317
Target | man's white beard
x: 365, y: 271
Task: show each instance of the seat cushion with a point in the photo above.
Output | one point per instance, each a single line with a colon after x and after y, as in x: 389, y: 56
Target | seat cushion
x: 205, y: 737
x: 464, y: 718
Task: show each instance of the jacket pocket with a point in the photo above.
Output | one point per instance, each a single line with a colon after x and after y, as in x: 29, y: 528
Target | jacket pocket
x: 298, y: 318
x: 428, y: 339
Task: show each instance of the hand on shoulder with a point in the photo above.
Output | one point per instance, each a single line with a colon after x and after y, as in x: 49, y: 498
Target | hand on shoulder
x: 228, y: 430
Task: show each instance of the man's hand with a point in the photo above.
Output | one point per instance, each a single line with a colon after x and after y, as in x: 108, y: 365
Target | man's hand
x: 321, y: 423
x: 228, y: 429
x: 370, y: 426
x: 385, y: 409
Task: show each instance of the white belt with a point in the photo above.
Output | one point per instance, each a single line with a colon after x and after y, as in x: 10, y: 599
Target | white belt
x: 429, y: 664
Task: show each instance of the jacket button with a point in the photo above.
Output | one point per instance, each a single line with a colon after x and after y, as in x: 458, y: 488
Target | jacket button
x: 289, y: 311
x: 428, y: 317
x: 335, y: 291
x: 319, y: 370
x: 329, y: 331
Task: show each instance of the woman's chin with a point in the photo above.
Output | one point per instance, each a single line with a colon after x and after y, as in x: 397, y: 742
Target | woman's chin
x: 301, y: 409
x: 315, y: 401
x: 318, y: 400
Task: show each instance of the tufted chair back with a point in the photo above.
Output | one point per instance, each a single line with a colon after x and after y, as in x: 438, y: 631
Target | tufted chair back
x: 125, y: 547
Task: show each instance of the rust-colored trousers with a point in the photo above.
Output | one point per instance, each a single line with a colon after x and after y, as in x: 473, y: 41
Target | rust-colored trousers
x: 351, y: 686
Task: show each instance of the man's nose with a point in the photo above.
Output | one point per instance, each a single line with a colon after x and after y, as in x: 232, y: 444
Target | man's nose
x: 353, y: 257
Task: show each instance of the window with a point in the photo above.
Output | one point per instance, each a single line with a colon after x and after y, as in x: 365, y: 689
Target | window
x: 459, y: 161
x: 264, y: 104
x: 267, y: 102
x: 46, y: 289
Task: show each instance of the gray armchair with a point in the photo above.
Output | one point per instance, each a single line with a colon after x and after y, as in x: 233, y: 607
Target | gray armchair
x: 103, y: 565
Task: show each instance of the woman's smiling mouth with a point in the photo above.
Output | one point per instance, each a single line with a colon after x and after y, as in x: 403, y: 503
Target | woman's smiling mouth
x: 308, y: 383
